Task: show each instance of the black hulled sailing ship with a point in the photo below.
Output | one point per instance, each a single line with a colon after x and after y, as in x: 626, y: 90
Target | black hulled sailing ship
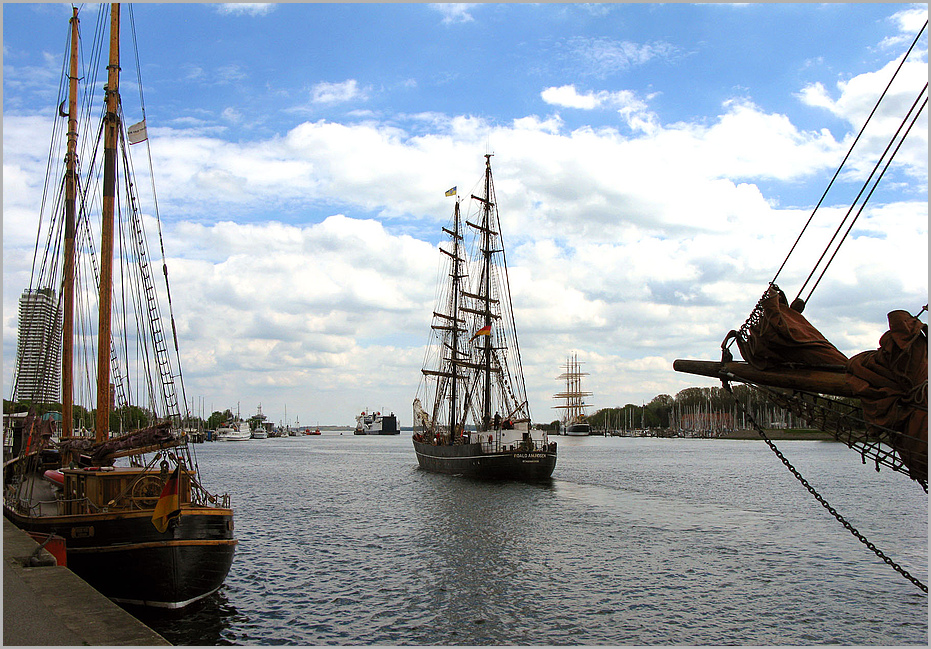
x: 471, y: 414
x: 130, y: 509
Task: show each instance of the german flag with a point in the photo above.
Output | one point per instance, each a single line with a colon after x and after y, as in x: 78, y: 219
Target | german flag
x: 169, y: 503
x: 484, y: 331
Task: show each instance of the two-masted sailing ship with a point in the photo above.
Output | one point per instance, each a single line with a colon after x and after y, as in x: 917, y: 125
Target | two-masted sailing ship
x: 471, y: 414
x: 130, y: 509
x: 573, y: 398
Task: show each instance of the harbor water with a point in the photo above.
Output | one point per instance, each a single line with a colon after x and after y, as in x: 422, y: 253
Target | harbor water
x: 343, y: 540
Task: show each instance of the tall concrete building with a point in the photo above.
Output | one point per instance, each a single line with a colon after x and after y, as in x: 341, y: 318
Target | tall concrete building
x: 38, y: 353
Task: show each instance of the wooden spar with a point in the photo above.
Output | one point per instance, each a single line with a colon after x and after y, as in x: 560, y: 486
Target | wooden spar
x: 111, y: 128
x: 486, y: 283
x: 67, y: 332
x: 809, y: 380
x: 456, y: 276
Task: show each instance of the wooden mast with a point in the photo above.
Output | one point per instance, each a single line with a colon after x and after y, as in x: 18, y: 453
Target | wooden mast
x: 111, y: 130
x: 453, y: 418
x: 67, y: 349
x: 486, y: 239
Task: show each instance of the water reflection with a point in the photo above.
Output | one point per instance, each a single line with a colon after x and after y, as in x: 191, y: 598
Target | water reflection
x: 208, y: 622
x: 344, y: 540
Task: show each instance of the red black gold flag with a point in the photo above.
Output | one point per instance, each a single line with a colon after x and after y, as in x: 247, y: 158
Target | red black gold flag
x: 169, y: 503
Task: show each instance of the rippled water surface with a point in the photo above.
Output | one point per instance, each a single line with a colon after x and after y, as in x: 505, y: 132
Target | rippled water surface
x: 344, y: 540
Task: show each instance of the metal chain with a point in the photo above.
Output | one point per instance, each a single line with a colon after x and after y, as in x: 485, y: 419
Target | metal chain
x: 879, y: 553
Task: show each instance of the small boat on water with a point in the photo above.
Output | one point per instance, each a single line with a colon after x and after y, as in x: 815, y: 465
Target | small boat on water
x: 260, y: 431
x: 375, y: 423
x: 574, y: 397
x: 234, y: 431
x: 471, y: 414
x: 130, y: 511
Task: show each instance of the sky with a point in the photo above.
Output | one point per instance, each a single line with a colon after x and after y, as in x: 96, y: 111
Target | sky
x: 653, y: 164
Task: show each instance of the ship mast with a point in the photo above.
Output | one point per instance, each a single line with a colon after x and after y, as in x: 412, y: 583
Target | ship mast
x: 67, y: 350
x: 455, y: 330
x: 111, y: 130
x: 486, y: 296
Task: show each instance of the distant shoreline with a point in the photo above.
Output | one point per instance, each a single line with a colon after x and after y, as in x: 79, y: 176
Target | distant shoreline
x: 780, y: 434
x: 750, y: 435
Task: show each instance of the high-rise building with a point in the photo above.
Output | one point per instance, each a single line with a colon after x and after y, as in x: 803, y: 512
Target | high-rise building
x: 38, y: 353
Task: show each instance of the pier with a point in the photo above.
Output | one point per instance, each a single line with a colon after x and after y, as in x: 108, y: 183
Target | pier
x: 47, y: 604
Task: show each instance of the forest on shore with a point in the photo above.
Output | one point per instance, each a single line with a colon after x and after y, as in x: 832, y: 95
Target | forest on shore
x: 703, y: 412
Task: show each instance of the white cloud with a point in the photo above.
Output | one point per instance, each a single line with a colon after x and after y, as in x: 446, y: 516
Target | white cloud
x: 336, y: 93
x: 633, y: 247
x: 245, y: 8
x: 454, y: 12
x: 600, y: 57
x: 634, y: 111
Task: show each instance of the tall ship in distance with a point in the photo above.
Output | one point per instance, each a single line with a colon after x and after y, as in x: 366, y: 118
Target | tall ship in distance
x: 128, y: 513
x: 574, y: 422
x: 471, y: 413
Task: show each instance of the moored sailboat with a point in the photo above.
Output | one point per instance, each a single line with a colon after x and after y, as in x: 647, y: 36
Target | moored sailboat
x: 478, y: 422
x: 137, y: 522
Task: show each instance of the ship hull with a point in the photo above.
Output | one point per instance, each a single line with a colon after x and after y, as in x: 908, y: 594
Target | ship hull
x: 126, y: 559
x: 471, y: 460
x: 579, y: 430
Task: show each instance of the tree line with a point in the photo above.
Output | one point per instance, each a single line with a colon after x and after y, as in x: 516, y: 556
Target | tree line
x: 708, y: 408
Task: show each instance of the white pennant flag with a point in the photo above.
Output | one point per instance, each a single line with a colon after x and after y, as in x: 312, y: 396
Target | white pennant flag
x: 136, y: 133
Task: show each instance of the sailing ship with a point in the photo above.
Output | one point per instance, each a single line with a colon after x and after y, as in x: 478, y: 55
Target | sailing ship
x: 375, y: 423
x: 574, y: 396
x: 137, y: 522
x: 471, y: 414
x: 875, y: 402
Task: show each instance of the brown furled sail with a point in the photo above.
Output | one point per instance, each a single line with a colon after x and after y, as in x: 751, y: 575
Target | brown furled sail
x: 892, y: 384
x: 778, y: 335
x: 783, y: 350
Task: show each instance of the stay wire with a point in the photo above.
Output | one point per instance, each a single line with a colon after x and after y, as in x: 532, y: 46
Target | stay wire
x: 847, y: 156
x: 824, y: 503
x: 870, y: 194
x: 184, y: 412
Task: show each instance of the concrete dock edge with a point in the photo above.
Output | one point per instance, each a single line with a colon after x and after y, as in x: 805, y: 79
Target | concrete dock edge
x: 50, y: 605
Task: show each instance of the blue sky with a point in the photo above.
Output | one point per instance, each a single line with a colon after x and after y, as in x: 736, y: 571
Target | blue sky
x: 653, y: 164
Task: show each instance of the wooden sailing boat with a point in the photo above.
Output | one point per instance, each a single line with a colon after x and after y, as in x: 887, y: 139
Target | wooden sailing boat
x: 574, y: 397
x: 478, y: 422
x: 146, y: 532
x: 875, y: 402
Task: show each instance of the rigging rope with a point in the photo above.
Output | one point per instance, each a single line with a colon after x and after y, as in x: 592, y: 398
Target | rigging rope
x: 844, y: 161
x: 158, y: 220
x: 870, y: 194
